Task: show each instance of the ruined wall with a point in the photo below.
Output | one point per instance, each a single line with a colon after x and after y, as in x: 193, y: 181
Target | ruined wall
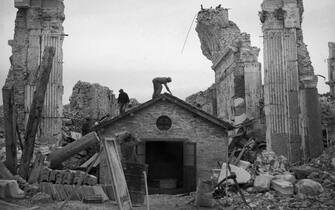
x: 235, y: 62
x: 38, y: 24
x: 92, y: 100
x: 327, y: 105
x: 204, y: 100
x: 331, y: 68
x: 292, y: 120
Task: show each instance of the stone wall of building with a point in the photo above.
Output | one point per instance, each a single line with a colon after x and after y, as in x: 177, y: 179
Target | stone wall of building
x: 185, y: 127
x: 235, y: 62
x: 38, y: 24
x: 204, y: 100
x: 290, y: 95
x: 93, y: 101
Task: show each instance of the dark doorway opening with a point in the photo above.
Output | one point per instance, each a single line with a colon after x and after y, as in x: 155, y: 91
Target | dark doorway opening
x: 165, y: 160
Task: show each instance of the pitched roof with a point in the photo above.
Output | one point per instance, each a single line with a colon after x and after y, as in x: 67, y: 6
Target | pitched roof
x: 174, y: 100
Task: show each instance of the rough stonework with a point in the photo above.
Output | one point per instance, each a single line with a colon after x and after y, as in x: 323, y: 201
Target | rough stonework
x: 204, y: 100
x: 331, y: 68
x: 327, y: 105
x: 93, y: 101
x: 290, y: 95
x: 38, y: 24
x: 237, y: 70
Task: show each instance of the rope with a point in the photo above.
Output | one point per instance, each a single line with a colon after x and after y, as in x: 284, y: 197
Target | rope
x: 188, y: 32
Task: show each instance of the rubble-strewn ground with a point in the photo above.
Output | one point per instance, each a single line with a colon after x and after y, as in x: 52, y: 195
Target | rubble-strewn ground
x: 324, y: 174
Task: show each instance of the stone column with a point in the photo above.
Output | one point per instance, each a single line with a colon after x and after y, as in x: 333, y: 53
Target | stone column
x: 290, y: 94
x: 281, y: 82
x: 331, y: 68
x: 310, y: 118
x: 38, y: 24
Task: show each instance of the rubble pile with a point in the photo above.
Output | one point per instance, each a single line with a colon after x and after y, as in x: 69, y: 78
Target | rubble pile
x: 277, y: 185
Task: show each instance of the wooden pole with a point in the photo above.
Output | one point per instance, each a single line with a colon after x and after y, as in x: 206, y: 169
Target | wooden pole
x: 10, y: 128
x: 36, y: 110
x: 146, y: 189
x: 58, y: 156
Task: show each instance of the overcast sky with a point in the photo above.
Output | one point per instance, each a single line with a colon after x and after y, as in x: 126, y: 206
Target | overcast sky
x: 124, y: 44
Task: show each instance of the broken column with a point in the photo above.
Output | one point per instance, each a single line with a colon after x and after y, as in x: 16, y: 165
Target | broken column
x: 38, y: 24
x: 331, y: 68
x: 235, y: 63
x: 290, y: 94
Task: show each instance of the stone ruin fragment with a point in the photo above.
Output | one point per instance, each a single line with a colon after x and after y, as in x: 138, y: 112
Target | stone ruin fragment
x: 91, y: 101
x: 331, y: 68
x: 204, y: 100
x: 38, y: 24
x: 235, y: 63
x: 293, y: 124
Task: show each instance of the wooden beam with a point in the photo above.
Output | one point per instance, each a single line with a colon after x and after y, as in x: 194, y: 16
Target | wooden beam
x: 36, y: 110
x: 10, y: 128
x: 58, y: 156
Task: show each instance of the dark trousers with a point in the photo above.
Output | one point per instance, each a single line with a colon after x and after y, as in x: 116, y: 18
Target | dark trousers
x: 122, y: 108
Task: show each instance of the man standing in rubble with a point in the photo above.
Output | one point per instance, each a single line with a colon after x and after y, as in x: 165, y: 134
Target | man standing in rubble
x: 158, y: 83
x: 123, y: 101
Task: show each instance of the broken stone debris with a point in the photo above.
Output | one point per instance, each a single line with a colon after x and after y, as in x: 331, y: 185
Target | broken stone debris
x: 41, y: 198
x: 262, y: 182
x: 309, y: 187
x: 10, y: 189
x: 242, y: 175
x: 282, y: 186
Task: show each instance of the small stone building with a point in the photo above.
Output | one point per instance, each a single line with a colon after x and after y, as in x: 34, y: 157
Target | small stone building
x: 179, y: 142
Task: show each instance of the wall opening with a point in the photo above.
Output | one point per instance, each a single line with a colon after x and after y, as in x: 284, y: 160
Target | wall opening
x: 165, y: 172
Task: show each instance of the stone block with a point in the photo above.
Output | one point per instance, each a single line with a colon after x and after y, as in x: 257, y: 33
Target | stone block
x: 262, y: 183
x: 243, y: 164
x: 242, y: 175
x: 41, y: 198
x: 10, y: 188
x: 309, y: 187
x: 282, y: 186
x: 302, y: 172
x: 287, y: 177
x: 333, y: 162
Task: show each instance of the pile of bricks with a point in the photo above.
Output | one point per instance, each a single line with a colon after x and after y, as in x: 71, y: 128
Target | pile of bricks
x: 61, y: 192
x: 69, y: 177
x: 61, y: 184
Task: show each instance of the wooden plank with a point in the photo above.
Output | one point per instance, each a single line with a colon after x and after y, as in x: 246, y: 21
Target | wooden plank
x: 89, y: 161
x: 10, y: 128
x: 115, y: 168
x: 189, y: 166
x: 36, y: 110
x: 58, y: 156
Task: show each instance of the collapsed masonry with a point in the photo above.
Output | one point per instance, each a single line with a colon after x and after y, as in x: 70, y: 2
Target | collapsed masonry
x: 93, y: 101
x: 327, y: 106
x: 290, y: 94
x: 238, y: 84
x: 331, y: 68
x: 38, y: 24
x: 204, y: 100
